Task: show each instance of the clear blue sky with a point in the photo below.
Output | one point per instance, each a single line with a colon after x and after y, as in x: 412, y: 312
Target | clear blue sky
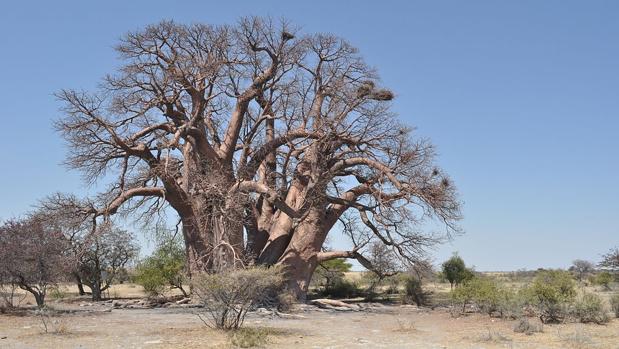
x: 521, y: 98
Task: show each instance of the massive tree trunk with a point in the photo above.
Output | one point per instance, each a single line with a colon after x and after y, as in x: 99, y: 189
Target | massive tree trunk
x: 301, y: 256
x: 282, y: 226
x: 213, y: 241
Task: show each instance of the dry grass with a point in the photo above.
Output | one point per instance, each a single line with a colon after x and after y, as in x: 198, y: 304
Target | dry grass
x: 391, y: 327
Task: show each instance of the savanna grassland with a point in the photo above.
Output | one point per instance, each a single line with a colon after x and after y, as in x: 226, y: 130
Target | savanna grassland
x: 128, y: 319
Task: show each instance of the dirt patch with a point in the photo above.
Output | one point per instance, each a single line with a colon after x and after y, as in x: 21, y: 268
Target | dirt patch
x: 388, y: 327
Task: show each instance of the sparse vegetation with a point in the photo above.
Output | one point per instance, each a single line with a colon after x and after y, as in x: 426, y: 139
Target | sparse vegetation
x: 9, y: 297
x: 261, y: 145
x: 579, y: 339
x: 50, y: 324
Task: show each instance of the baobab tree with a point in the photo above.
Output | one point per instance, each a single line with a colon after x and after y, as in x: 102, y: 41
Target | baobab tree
x: 261, y: 139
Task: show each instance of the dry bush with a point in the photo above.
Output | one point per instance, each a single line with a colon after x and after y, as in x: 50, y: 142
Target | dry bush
x: 614, y: 305
x: 249, y: 337
x: 528, y: 328
x: 413, y: 292
x: 405, y: 326
x: 494, y: 337
x: 578, y: 339
x: 57, y: 293
x: 590, y: 308
x: 229, y: 295
x: 285, y: 300
x: 50, y: 324
x: 9, y: 297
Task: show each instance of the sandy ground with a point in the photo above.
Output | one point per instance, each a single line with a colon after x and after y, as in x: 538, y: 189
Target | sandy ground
x: 384, y: 327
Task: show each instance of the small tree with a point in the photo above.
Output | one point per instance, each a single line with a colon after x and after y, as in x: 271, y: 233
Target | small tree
x: 104, y: 254
x: 33, y: 256
x: 582, y: 268
x: 455, y: 271
x: 165, y: 267
x: 330, y: 272
x: 382, y: 262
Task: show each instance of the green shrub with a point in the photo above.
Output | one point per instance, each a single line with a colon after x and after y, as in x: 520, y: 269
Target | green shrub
x: 151, y: 280
x: 413, y: 292
x: 462, y: 296
x: 614, y: 304
x: 342, y: 288
x: 228, y: 296
x: 590, y: 308
x: 484, y: 292
x: 551, y: 293
x: 603, y: 279
x: 455, y: 271
x: 165, y: 267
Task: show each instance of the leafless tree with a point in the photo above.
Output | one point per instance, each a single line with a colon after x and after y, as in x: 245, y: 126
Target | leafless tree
x: 33, y: 255
x: 73, y: 224
x: 581, y: 268
x: 260, y: 138
x: 382, y: 261
x: 100, y: 250
x: 611, y: 259
x: 104, y: 254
